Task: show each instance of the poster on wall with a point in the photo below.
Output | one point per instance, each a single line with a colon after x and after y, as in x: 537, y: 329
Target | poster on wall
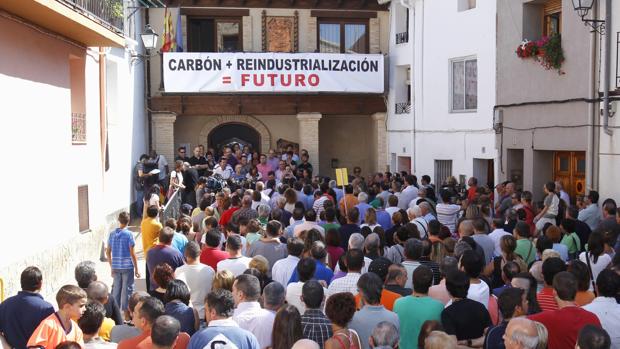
x: 241, y: 72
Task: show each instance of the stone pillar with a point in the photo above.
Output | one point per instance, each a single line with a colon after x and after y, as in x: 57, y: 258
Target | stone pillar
x: 309, y: 137
x: 379, y: 133
x: 163, y: 135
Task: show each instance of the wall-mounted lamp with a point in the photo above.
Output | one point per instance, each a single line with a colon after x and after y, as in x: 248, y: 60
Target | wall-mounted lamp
x: 583, y: 7
x: 149, y: 40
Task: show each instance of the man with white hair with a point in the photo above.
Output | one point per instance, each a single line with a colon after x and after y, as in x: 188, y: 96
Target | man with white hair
x: 339, y: 192
x: 560, y: 190
x: 356, y: 241
x: 416, y: 217
x: 384, y: 336
x: 409, y: 193
x: 362, y: 206
x: 521, y: 334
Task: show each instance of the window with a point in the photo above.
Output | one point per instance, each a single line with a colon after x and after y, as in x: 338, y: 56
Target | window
x: 83, y: 211
x: 338, y: 36
x: 464, y: 84
x: 214, y: 35
x: 78, y: 99
x: 443, y: 170
x: 464, y: 5
x: 552, y: 12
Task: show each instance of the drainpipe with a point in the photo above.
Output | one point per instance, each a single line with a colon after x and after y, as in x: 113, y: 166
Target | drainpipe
x: 607, y: 68
x: 147, y: 93
x: 592, y: 134
x: 409, y: 6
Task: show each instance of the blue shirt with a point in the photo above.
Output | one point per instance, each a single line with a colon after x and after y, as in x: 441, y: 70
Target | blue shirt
x: 289, y: 231
x: 120, y: 242
x: 562, y: 250
x: 20, y: 315
x: 590, y: 215
x: 179, y: 241
x: 159, y: 254
x: 183, y: 313
x: 494, y: 338
x: 362, y: 207
x: 339, y: 194
x: 224, y: 332
x: 320, y: 273
x: 384, y: 219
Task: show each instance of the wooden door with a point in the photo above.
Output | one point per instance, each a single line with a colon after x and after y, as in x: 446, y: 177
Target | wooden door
x: 570, y: 169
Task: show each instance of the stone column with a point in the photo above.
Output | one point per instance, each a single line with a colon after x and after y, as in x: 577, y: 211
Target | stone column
x: 379, y: 133
x: 309, y: 137
x: 163, y: 135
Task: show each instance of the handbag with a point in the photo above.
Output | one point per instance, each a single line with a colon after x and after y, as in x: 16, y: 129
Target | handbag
x: 591, y: 274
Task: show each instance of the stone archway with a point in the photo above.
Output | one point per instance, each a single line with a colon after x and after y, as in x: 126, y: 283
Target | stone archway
x: 214, y: 122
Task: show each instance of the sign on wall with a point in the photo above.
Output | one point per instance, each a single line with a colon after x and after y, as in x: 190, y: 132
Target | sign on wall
x: 272, y: 72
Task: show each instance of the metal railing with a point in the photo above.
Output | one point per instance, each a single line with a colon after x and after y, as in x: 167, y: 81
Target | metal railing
x: 172, y: 209
x: 109, y: 13
x: 402, y: 108
x: 78, y: 128
x: 402, y: 38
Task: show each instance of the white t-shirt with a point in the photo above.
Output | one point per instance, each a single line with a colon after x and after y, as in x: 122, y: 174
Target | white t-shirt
x: 602, y: 263
x: 161, y: 165
x: 178, y: 175
x: 479, y: 293
x: 199, y: 278
x: 236, y: 265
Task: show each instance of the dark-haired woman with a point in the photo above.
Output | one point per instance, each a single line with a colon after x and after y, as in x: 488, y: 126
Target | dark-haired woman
x: 595, y: 253
x: 286, y: 328
x: 340, y: 308
x: 177, y: 305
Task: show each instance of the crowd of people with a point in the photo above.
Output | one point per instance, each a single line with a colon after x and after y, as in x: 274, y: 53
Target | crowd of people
x: 286, y: 259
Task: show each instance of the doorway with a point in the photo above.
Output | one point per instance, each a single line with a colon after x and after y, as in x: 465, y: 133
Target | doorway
x: 231, y: 133
x: 569, y: 167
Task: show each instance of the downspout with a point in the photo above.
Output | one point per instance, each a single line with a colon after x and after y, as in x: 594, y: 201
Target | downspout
x: 592, y: 115
x: 607, y: 68
x: 147, y: 92
x: 102, y: 109
x: 409, y: 6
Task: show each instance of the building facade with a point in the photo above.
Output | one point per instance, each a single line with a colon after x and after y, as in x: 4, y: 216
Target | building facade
x: 546, y: 119
x: 442, y: 89
x: 77, y: 123
x: 339, y: 129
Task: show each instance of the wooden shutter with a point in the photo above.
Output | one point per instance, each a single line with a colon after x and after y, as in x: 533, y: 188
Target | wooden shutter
x: 83, y: 211
x: 552, y: 6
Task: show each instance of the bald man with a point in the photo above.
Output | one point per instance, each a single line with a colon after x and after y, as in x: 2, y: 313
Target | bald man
x: 305, y: 344
x: 521, y: 334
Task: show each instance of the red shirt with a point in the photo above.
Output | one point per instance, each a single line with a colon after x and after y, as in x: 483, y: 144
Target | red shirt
x: 227, y: 215
x: 211, y: 256
x: 471, y: 193
x: 143, y: 341
x: 564, y: 325
x: 546, y: 299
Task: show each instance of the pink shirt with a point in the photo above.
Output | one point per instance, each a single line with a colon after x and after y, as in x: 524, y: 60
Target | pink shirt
x: 263, y: 170
x: 440, y: 293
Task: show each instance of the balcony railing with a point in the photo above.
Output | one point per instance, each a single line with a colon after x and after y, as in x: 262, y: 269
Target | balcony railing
x: 78, y: 128
x: 402, y: 108
x: 402, y: 38
x: 108, y: 13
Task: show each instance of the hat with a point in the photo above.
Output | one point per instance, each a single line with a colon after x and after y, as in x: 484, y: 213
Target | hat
x: 380, y: 267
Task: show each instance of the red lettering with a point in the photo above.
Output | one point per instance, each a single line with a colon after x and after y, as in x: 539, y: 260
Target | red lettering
x: 300, y: 80
x: 262, y: 79
x: 283, y: 80
x: 244, y: 78
x: 313, y: 80
x: 272, y: 77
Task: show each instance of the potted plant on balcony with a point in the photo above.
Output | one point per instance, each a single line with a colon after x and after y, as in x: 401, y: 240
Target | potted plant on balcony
x: 547, y: 51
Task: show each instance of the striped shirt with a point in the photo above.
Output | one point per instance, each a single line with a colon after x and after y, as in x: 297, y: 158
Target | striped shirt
x: 120, y: 242
x: 447, y: 215
x: 546, y: 299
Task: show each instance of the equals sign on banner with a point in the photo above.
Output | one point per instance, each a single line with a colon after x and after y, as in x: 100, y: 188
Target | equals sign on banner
x: 226, y: 80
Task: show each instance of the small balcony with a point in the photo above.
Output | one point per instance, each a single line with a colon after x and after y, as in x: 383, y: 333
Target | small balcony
x: 402, y: 108
x: 108, y: 13
x: 402, y: 38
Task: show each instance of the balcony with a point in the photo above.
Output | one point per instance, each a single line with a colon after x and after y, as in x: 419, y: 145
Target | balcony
x: 402, y: 38
x: 402, y: 108
x: 91, y: 23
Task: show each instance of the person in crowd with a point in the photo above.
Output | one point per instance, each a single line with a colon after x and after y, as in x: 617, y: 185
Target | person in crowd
x: 90, y: 323
x: 396, y: 279
x: 166, y: 331
x: 248, y: 313
x: 525, y: 248
x: 478, y: 290
x: 310, y: 223
x: 505, y: 201
x: 270, y: 246
x: 414, y: 309
x: 439, y: 340
x: 593, y: 337
x: 409, y: 193
x: 85, y: 274
x: 498, y: 232
x: 495, y: 268
x: 483, y: 240
x: 546, y: 298
x: 554, y: 234
x: 123, y: 262
x: 512, y: 303
x: 236, y: 262
x: 282, y: 269
x: 364, y: 321
x: 440, y: 292
x: 570, y: 239
x: 351, y: 227
x: 605, y: 306
x: 223, y: 279
x: 521, y: 333
x: 363, y: 207
x: 274, y: 297
x: 334, y: 251
x: 197, y: 276
x: 580, y: 270
x: 447, y: 212
x: 595, y: 256
x: 211, y: 254
x: 162, y: 275
x: 297, y: 219
x: 564, y: 323
x: 527, y: 283
x: 315, y: 325
x: 609, y: 222
x: 99, y: 292
x: 316, y: 250
x: 150, y: 228
x: 413, y: 252
x: 464, y: 318
x: 21, y: 314
x: 128, y: 329
x: 550, y: 209
x: 384, y: 335
x: 591, y: 215
x: 287, y: 328
x: 61, y: 325
x: 163, y: 253
x: 177, y: 305
x: 380, y: 268
x: 340, y: 309
x: 355, y: 262
x: 219, y: 310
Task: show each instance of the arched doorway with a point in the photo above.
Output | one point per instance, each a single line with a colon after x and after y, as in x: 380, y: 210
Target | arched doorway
x: 264, y: 137
x: 230, y: 133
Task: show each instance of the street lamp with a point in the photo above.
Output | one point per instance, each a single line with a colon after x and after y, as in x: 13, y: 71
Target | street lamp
x: 583, y: 7
x: 149, y: 38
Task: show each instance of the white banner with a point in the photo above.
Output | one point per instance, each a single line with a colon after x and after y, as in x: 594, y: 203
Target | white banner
x: 272, y: 72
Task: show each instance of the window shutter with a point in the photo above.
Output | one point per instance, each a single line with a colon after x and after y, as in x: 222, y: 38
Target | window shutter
x: 83, y: 211
x: 552, y: 6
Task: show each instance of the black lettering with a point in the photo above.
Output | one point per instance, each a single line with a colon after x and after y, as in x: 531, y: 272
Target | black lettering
x: 352, y: 66
x: 172, y: 64
x: 287, y: 64
x: 217, y: 64
x: 240, y: 64
x: 335, y: 66
x: 374, y: 66
x: 181, y: 65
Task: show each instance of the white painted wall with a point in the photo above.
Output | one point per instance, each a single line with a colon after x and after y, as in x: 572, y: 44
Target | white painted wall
x: 431, y: 132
